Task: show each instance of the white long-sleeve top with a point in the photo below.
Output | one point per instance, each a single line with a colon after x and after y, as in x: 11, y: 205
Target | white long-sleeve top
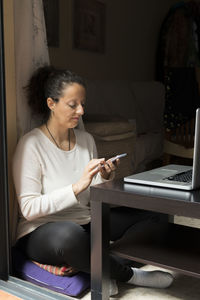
x: 43, y: 177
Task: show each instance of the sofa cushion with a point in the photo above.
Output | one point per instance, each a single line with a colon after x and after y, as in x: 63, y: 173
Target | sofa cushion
x: 104, y: 129
x: 110, y: 97
x: 115, y: 137
x: 150, y: 101
x: 149, y: 147
x: 103, y: 118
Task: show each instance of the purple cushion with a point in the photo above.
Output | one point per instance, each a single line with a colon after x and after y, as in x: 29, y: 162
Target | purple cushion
x: 71, y: 286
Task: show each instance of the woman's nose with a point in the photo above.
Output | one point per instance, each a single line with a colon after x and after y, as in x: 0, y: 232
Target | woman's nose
x: 80, y: 109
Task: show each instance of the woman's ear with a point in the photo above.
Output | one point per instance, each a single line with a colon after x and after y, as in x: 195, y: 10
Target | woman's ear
x: 50, y: 103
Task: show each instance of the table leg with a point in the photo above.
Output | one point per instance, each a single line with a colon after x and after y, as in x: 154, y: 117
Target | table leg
x: 99, y: 250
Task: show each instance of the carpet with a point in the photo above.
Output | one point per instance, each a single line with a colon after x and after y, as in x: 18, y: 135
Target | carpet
x: 183, y: 288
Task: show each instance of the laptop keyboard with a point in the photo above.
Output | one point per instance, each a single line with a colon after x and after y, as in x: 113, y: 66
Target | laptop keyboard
x: 181, y: 177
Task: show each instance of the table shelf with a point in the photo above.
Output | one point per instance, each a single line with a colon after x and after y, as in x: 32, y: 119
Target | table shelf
x: 170, y: 246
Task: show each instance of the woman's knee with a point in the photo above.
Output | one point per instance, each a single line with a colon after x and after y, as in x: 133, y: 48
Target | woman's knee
x: 57, y: 240
x: 72, y: 235
x: 73, y: 246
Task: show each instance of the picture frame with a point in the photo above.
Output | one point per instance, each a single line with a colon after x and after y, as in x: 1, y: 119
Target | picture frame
x: 89, y: 25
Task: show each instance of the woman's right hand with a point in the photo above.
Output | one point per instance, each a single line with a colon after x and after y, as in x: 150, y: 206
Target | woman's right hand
x: 91, y: 169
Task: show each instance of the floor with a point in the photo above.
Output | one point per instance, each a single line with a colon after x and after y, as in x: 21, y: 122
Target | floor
x: 183, y: 288
x: 6, y: 296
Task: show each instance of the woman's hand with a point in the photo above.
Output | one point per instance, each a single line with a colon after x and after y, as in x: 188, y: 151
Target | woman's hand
x: 108, y: 167
x: 91, y: 169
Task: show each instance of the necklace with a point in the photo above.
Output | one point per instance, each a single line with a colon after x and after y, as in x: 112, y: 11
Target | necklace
x: 55, y: 140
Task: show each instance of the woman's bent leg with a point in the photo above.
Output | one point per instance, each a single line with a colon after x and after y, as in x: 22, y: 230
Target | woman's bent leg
x: 62, y: 243
x: 58, y: 243
x: 123, y: 218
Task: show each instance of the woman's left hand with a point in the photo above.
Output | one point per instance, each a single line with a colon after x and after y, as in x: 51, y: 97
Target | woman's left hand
x: 107, y: 167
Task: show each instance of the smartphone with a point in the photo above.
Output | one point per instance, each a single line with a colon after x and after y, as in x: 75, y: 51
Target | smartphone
x: 113, y: 159
x: 118, y: 156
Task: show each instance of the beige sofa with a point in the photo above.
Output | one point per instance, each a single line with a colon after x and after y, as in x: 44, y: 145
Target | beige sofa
x: 126, y: 116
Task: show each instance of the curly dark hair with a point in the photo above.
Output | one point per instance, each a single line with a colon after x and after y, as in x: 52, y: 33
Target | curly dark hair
x: 47, y: 81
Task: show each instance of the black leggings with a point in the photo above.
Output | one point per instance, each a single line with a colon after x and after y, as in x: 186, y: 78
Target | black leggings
x: 61, y: 243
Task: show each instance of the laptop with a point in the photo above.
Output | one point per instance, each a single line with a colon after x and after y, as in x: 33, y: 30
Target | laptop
x: 174, y: 176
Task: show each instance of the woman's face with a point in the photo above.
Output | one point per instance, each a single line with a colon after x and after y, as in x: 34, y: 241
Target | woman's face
x: 70, y: 106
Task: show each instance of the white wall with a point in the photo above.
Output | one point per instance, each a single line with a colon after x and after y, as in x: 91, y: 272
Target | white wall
x: 132, y: 29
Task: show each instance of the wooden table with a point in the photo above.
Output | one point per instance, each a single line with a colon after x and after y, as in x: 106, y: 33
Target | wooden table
x: 171, y: 246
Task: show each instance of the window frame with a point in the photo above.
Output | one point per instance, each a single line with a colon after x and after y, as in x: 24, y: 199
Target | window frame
x: 4, y: 213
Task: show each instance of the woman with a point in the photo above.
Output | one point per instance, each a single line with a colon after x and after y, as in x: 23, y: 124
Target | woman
x: 53, y: 168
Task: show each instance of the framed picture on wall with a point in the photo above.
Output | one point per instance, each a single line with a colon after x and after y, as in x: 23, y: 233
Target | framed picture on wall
x: 89, y: 25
